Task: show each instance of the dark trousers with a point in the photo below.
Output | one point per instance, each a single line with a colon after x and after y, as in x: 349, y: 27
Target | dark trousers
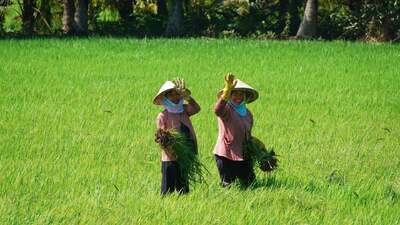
x: 172, y: 179
x: 229, y: 170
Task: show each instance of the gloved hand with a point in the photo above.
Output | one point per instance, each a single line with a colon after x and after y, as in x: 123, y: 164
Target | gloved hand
x: 230, y: 83
x: 181, y: 88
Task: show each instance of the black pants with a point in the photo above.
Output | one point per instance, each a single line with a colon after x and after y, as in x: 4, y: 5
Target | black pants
x: 229, y: 170
x: 172, y: 179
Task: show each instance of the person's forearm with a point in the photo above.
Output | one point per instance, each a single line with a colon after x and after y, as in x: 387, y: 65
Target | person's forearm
x: 220, y: 109
x: 194, y: 104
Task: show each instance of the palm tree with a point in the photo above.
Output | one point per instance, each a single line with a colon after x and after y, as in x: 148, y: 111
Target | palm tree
x: 75, y: 20
x: 308, y: 27
x: 28, y: 19
x: 68, y: 16
x: 81, y: 17
x: 175, y: 19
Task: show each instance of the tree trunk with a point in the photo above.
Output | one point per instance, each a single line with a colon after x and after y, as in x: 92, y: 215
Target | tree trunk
x: 125, y: 9
x: 81, y: 17
x: 175, y: 19
x: 68, y: 16
x: 308, y: 27
x: 162, y: 8
x: 28, y: 19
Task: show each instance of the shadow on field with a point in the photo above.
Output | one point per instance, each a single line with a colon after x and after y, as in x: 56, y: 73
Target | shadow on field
x: 272, y: 182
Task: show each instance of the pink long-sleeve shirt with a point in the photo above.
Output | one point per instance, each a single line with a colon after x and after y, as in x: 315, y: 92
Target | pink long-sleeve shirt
x: 232, y: 131
x: 166, y: 120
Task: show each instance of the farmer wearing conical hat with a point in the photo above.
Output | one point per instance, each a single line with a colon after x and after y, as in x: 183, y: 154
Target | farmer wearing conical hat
x: 178, y: 105
x: 235, y: 122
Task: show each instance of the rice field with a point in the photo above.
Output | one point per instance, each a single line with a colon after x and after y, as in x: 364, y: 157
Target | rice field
x: 77, y: 131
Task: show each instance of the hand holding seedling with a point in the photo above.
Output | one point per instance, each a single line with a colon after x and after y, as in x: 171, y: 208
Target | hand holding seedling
x: 230, y: 83
x: 181, y: 88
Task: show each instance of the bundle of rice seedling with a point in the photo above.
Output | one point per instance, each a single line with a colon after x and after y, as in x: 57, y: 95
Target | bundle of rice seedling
x: 257, y: 153
x: 189, y: 164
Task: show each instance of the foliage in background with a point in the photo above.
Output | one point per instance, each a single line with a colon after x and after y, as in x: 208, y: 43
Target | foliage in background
x: 363, y: 19
x: 267, y: 19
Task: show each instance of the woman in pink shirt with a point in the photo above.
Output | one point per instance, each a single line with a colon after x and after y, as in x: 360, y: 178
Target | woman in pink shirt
x: 172, y: 96
x: 235, y: 122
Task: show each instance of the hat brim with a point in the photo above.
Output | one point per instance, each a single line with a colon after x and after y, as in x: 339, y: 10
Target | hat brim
x: 157, y: 100
x: 251, y: 94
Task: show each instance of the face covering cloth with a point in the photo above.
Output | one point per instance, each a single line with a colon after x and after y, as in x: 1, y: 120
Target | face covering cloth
x: 172, y: 107
x: 240, y: 108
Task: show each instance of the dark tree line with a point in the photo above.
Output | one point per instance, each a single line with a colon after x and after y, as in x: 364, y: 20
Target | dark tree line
x: 330, y: 19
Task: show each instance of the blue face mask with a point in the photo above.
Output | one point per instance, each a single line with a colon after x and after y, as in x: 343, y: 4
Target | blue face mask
x: 240, y: 108
x: 172, y: 107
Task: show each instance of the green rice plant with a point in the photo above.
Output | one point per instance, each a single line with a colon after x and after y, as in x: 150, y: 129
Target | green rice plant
x: 189, y: 164
x: 77, y: 138
x: 256, y: 151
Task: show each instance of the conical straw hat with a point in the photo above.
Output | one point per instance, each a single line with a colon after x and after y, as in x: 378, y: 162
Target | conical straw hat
x: 167, y: 86
x: 251, y: 93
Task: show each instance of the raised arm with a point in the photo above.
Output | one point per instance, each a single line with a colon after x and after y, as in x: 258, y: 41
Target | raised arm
x: 221, y: 107
x: 192, y: 107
